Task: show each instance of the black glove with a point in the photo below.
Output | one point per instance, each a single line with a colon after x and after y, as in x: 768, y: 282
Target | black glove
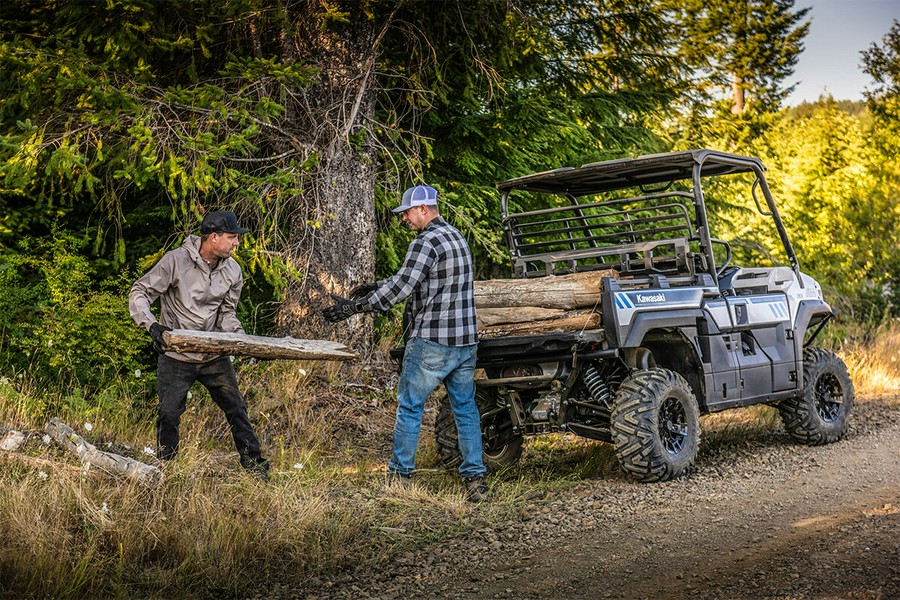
x: 344, y: 309
x: 156, y: 331
x: 362, y: 290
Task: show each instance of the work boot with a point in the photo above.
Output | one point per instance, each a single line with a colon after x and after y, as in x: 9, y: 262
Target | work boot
x: 395, y: 478
x: 257, y: 466
x: 476, y: 488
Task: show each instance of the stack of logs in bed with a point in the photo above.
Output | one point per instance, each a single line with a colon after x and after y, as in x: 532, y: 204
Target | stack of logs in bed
x: 540, y: 305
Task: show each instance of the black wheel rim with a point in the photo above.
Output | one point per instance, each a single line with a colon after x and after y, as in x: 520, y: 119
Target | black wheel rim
x: 673, y: 427
x: 496, y: 425
x: 829, y: 397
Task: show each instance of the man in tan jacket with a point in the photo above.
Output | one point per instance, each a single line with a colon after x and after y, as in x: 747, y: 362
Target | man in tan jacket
x: 198, y: 286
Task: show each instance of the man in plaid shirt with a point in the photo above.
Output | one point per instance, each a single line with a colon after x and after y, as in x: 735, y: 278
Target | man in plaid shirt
x: 440, y: 332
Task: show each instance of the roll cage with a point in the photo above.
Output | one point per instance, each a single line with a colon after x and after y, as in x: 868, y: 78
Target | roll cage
x: 659, y: 231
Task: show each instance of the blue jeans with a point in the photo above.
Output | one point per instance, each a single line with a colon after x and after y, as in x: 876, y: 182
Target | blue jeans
x: 425, y: 365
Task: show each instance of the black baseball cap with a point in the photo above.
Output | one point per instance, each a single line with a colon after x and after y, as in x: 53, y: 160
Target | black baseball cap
x: 221, y: 221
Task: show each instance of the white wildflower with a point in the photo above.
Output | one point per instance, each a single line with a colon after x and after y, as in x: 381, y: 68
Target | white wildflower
x: 4, y: 380
x: 302, y: 372
x: 298, y: 466
x: 189, y: 395
x: 137, y: 373
x: 43, y: 474
x: 149, y: 450
x: 49, y: 343
x: 46, y: 439
x: 88, y: 427
x: 104, y: 508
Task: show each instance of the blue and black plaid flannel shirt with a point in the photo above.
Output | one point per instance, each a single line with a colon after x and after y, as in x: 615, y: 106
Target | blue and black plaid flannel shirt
x: 437, y: 272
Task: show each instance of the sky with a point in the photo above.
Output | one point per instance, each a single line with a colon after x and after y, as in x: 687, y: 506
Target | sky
x: 840, y: 30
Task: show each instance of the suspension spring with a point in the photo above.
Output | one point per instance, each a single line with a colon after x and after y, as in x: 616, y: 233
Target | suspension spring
x: 596, y: 386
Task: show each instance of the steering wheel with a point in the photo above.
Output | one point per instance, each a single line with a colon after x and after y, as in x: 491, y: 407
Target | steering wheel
x: 727, y: 262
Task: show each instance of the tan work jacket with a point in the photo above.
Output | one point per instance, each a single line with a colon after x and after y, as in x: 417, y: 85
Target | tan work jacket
x: 191, y: 296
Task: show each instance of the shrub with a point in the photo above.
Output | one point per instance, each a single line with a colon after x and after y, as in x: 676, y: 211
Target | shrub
x: 62, y: 329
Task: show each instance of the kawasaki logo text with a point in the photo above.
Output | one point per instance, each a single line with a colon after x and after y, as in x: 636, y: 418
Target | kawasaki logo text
x: 651, y: 298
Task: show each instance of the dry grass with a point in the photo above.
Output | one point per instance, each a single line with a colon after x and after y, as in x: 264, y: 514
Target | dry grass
x: 874, y: 365
x: 212, y: 530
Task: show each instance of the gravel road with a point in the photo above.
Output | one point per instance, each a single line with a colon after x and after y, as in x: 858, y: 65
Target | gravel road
x: 772, y: 520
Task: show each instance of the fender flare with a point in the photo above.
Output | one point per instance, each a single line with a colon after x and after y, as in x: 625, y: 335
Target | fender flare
x: 644, y: 322
x: 807, y: 310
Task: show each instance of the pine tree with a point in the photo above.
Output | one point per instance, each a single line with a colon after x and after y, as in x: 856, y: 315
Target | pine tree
x: 744, y: 50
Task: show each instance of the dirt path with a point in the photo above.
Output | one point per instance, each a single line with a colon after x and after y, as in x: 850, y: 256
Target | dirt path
x: 772, y: 521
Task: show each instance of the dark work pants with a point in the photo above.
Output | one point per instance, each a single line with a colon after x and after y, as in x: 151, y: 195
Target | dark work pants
x: 173, y: 380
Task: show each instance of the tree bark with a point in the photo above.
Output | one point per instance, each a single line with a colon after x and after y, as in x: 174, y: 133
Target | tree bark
x: 183, y: 340
x: 572, y: 322
x: 332, y: 230
x: 737, y: 95
x: 115, y: 464
x: 522, y: 314
x: 565, y: 292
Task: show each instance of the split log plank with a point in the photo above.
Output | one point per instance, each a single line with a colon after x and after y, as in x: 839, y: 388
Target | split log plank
x: 567, y: 292
x: 107, y: 461
x: 216, y: 342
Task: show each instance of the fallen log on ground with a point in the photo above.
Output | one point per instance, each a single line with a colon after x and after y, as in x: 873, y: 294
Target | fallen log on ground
x: 11, y: 440
x: 115, y: 464
x: 241, y: 344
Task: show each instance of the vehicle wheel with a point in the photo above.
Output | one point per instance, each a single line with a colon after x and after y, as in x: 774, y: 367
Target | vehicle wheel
x: 501, y: 447
x: 655, y: 425
x: 819, y: 414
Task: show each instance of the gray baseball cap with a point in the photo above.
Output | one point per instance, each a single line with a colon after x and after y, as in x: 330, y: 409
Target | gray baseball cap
x: 417, y: 196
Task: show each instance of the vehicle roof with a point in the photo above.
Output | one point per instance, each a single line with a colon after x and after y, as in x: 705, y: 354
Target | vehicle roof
x: 631, y: 172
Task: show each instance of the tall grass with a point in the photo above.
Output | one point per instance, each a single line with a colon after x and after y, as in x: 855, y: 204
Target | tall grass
x: 874, y: 363
x: 212, y: 530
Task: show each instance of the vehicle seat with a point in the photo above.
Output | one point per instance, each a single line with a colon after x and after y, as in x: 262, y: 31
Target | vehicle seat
x: 763, y: 280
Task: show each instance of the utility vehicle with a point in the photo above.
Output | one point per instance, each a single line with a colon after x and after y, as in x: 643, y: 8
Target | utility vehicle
x: 683, y: 332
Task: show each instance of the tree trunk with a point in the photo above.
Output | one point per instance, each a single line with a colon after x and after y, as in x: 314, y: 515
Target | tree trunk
x: 737, y: 95
x: 332, y: 229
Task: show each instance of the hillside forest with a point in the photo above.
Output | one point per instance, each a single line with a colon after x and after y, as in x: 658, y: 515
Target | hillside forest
x: 123, y: 121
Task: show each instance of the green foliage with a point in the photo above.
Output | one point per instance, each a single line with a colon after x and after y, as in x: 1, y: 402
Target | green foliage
x: 120, y: 113
x: 742, y: 52
x: 64, y: 330
x: 122, y: 121
x: 882, y: 63
x: 516, y: 88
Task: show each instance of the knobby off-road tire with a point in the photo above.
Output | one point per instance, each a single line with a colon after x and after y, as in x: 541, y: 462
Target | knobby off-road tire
x: 655, y: 425
x: 819, y: 414
x: 495, y: 424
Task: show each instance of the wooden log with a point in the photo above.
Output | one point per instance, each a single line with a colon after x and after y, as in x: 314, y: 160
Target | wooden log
x: 216, y: 342
x: 115, y: 464
x: 567, y: 292
x: 521, y: 314
x: 12, y: 440
x: 572, y: 322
